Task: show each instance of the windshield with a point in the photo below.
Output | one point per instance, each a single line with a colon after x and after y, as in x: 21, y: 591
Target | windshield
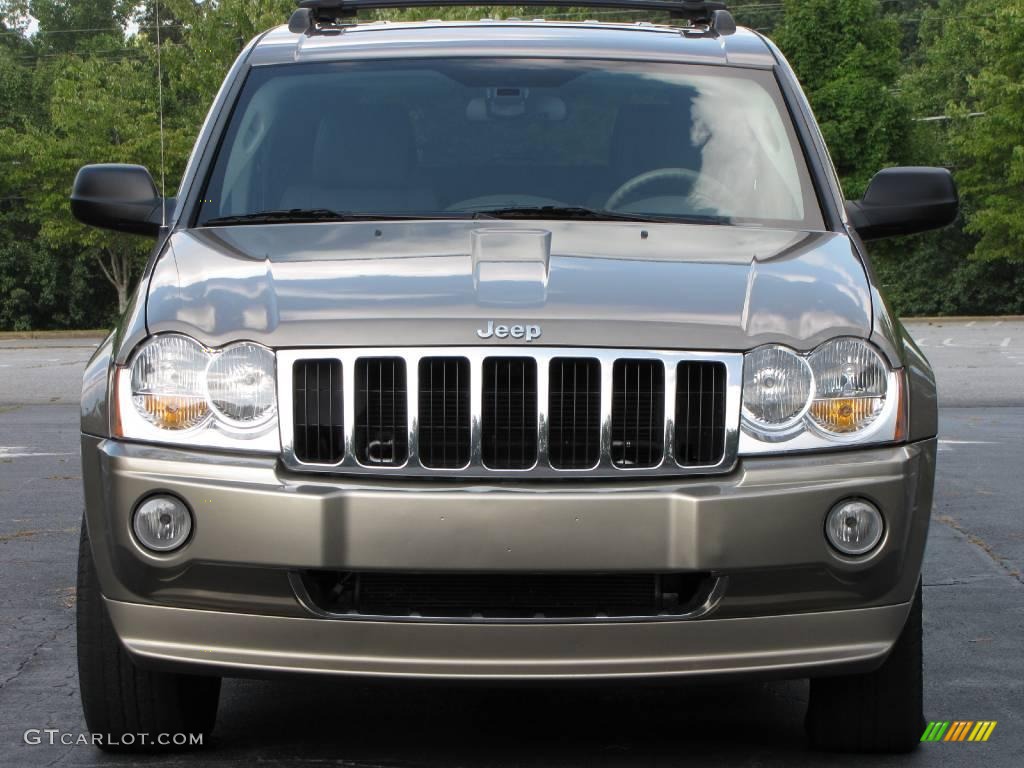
x: 509, y: 137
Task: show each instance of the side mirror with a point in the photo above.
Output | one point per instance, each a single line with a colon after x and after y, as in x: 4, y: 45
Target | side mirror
x: 119, y: 197
x: 904, y: 201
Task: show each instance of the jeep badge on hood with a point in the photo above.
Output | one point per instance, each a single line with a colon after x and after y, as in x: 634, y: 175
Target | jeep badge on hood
x: 528, y: 332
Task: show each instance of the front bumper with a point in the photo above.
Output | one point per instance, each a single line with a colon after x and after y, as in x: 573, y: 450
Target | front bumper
x: 791, y: 645
x: 792, y: 605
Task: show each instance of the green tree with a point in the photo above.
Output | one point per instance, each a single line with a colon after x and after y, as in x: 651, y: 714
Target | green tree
x: 909, y: 14
x: 70, y: 25
x: 987, y: 134
x: 100, y: 111
x: 17, y: 56
x: 965, y: 89
x: 217, y: 31
x: 847, y: 56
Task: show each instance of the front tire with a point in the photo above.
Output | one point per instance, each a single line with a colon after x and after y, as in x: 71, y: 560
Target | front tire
x: 120, y: 700
x: 880, y: 711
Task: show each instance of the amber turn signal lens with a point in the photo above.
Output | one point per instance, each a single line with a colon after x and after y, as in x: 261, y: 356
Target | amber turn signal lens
x: 846, y: 414
x: 173, y: 411
x: 902, y: 417
x: 168, y: 382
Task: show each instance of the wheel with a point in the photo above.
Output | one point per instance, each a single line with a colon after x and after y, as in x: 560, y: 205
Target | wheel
x: 122, y: 701
x: 880, y: 711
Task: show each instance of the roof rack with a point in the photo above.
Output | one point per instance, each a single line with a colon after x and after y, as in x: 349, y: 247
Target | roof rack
x: 314, y: 16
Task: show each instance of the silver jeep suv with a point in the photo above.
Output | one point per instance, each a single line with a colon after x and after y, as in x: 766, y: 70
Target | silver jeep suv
x: 527, y: 350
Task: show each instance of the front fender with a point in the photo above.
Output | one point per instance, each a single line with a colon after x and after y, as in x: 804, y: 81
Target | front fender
x: 96, y: 387
x: 924, y: 403
x: 889, y: 334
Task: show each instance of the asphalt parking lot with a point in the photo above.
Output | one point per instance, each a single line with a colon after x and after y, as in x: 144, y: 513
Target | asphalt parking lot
x: 974, y: 617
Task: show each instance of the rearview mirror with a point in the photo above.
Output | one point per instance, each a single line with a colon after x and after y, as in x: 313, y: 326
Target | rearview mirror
x: 119, y: 197
x: 903, y: 201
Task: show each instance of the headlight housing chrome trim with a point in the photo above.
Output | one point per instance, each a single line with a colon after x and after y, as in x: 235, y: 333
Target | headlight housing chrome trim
x: 808, y: 433
x: 774, y: 359
x: 148, y: 414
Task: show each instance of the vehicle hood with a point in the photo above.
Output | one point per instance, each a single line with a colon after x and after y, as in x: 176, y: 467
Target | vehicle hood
x: 658, y: 286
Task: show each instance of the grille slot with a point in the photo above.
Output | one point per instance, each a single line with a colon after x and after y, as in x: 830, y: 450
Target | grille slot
x: 700, y: 413
x: 319, y: 429
x: 382, y: 429
x: 504, y: 595
x: 444, y: 433
x: 509, y: 418
x: 638, y: 413
x: 574, y: 412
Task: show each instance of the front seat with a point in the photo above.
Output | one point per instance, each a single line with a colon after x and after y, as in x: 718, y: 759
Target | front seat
x: 364, y: 161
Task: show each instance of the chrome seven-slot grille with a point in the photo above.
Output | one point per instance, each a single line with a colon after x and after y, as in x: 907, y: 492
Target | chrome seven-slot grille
x: 508, y: 410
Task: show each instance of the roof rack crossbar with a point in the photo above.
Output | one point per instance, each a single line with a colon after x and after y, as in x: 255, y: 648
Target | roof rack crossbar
x: 710, y: 13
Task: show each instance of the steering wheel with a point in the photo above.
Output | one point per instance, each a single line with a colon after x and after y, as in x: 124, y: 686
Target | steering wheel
x: 502, y: 201
x: 630, y: 186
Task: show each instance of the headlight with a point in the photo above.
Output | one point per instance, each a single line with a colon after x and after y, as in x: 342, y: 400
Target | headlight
x: 168, y: 388
x: 241, y: 384
x: 842, y: 392
x: 852, y: 384
x: 777, y: 387
x: 175, y: 390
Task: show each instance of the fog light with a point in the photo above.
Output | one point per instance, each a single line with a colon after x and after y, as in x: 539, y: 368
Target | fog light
x: 854, y: 526
x: 162, y: 523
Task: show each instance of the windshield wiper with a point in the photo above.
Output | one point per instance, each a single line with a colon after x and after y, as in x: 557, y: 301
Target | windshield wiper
x: 556, y: 212
x: 307, y: 215
x: 581, y: 213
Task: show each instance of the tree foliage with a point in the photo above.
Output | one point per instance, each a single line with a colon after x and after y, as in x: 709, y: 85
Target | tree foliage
x: 988, y: 135
x: 846, y: 54
x: 938, y: 82
x: 106, y: 111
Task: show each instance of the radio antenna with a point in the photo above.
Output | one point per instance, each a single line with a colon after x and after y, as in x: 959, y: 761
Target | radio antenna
x: 160, y: 97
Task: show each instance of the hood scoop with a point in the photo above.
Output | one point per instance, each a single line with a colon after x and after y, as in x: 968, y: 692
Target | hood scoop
x: 511, y: 267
